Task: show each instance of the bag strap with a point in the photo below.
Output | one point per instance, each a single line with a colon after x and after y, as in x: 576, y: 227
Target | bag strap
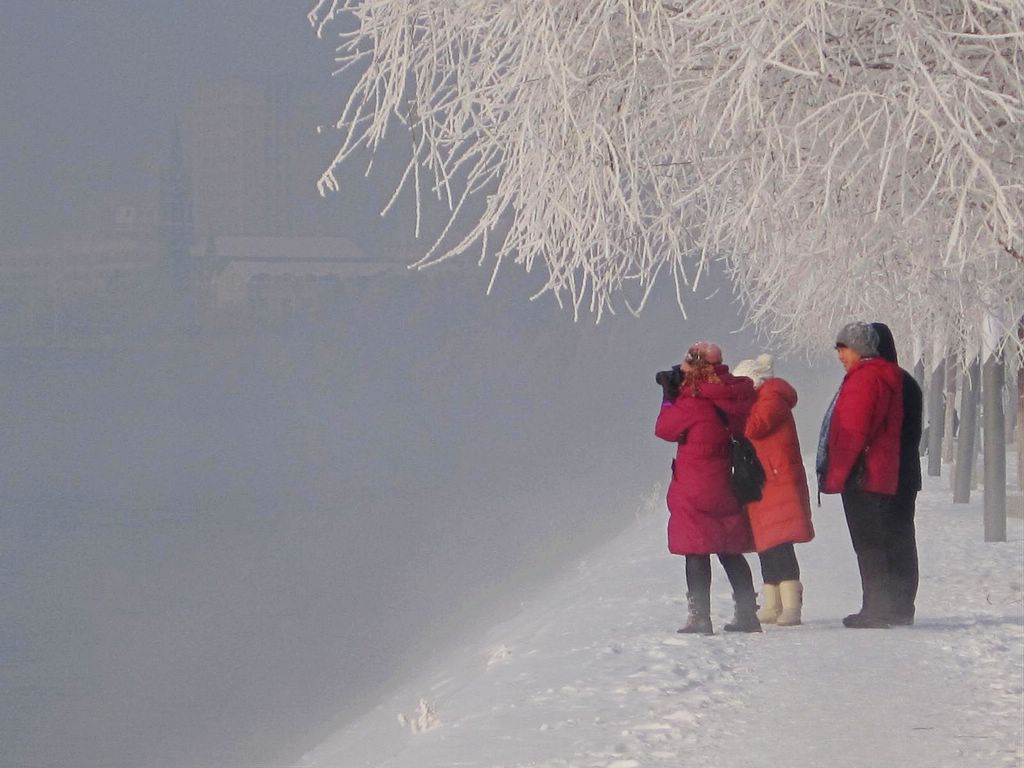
x: 725, y: 421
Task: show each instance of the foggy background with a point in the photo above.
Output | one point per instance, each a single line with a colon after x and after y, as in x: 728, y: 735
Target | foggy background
x: 255, y: 470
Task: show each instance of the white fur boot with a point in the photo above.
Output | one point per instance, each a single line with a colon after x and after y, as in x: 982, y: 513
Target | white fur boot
x: 792, y: 595
x: 769, y: 612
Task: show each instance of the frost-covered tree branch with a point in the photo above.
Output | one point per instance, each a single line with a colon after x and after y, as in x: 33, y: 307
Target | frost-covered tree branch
x: 841, y: 159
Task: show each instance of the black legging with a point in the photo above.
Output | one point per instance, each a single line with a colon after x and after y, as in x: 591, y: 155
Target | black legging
x: 779, y: 564
x: 698, y: 574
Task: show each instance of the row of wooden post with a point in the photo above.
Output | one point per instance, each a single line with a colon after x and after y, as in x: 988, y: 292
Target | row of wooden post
x: 984, y: 384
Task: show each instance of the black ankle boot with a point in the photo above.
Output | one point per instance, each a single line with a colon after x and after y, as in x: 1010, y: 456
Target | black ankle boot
x: 697, y: 624
x: 698, y: 621
x: 745, y: 619
x: 862, y: 620
x: 901, y: 616
x: 905, y: 619
x: 874, y: 577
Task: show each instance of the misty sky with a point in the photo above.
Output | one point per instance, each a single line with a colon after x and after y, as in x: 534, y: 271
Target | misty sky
x: 208, y: 546
x: 90, y: 90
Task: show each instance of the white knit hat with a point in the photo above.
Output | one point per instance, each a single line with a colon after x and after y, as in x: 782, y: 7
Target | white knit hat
x: 758, y: 369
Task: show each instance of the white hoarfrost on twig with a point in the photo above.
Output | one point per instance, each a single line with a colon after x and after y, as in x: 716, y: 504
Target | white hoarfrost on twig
x: 840, y: 159
x: 424, y: 719
x: 499, y: 655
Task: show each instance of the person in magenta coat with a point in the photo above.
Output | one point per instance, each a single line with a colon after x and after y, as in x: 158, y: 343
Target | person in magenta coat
x: 782, y: 517
x: 859, y: 457
x: 705, y: 517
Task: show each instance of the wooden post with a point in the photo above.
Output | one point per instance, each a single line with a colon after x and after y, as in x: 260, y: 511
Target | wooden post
x: 952, y: 425
x: 995, y: 448
x: 1011, y: 384
x: 1020, y: 410
x: 976, y: 470
x: 965, y: 448
x: 919, y: 377
x: 1020, y: 426
x: 936, y: 418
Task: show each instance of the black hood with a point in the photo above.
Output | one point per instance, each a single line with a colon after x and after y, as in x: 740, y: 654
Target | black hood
x: 886, y: 343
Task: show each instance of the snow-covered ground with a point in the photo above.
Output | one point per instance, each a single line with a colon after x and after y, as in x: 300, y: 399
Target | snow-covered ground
x: 591, y: 674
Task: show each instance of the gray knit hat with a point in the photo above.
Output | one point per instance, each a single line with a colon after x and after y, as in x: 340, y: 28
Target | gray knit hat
x: 860, y: 337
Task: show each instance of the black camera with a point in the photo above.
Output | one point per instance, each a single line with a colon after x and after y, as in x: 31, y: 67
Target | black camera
x: 673, y: 377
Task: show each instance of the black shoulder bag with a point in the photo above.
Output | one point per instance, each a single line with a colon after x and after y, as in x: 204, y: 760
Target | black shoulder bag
x: 746, y: 475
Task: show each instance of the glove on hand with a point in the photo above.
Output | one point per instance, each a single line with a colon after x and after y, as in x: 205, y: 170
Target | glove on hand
x: 670, y: 382
x: 669, y: 391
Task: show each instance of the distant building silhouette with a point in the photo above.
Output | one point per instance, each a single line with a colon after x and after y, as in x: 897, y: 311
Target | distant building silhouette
x: 233, y: 229
x: 277, y: 279
x: 175, y: 228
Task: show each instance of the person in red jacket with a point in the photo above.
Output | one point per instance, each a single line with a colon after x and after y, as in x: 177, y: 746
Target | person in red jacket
x: 860, y: 459
x: 782, y: 517
x: 901, y: 537
x: 704, y: 516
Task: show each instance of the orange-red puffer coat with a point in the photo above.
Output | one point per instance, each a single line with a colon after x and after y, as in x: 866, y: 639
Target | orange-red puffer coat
x: 783, y: 515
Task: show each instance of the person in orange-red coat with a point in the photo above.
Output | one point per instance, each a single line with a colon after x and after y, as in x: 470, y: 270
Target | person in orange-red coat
x: 782, y: 517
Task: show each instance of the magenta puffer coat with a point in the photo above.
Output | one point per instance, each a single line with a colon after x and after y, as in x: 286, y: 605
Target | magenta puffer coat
x: 704, y: 516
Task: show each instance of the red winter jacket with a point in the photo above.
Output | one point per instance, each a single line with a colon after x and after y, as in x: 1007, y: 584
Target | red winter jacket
x: 866, y: 423
x: 783, y: 515
x: 704, y: 516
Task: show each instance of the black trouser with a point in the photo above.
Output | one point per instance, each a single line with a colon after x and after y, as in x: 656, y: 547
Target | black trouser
x: 866, y: 515
x: 779, y: 564
x: 901, y: 553
x: 698, y: 579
